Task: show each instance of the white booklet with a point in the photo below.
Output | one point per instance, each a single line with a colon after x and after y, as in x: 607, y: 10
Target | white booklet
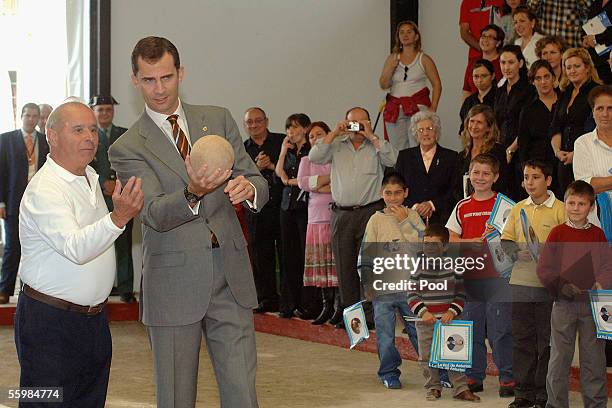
x: 355, y: 324
x: 598, y: 25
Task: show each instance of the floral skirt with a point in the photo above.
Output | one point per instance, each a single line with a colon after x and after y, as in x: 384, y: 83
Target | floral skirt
x: 319, y: 265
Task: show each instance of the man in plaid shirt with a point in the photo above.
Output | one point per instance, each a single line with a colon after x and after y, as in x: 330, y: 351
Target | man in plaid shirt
x: 562, y: 18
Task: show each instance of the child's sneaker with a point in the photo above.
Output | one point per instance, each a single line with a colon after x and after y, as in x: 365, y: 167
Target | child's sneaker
x: 506, y: 389
x: 392, y: 383
x: 467, y: 395
x: 433, y: 395
x: 474, y: 385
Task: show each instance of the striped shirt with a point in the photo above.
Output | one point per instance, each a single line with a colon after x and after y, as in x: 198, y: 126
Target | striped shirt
x: 451, y: 295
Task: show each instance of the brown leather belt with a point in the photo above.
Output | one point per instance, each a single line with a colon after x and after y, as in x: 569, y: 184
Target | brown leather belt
x: 62, y: 304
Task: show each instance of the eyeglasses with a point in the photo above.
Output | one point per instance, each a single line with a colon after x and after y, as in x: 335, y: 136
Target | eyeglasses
x: 405, y: 73
x: 425, y: 129
x: 257, y: 121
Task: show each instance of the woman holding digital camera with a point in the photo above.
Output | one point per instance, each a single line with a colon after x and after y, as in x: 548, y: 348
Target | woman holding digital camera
x: 405, y: 74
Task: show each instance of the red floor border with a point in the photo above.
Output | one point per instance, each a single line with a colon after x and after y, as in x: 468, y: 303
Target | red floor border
x: 302, y: 330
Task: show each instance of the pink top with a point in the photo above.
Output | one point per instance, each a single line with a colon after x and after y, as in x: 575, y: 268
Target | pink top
x: 318, y: 203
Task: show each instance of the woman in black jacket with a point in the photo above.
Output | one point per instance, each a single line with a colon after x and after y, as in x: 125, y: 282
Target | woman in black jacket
x: 513, y: 93
x: 534, y: 122
x: 573, y: 116
x: 294, y: 298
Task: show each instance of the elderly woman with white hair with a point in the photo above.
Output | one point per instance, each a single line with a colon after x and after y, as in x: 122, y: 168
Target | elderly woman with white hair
x: 427, y: 169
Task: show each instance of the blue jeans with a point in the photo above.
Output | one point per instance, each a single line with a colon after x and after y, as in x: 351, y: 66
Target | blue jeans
x: 496, y: 319
x: 385, y: 307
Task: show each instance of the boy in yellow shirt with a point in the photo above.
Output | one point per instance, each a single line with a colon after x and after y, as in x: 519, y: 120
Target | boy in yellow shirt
x: 531, y: 303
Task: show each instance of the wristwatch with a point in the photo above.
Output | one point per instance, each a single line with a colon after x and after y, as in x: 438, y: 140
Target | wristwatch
x: 190, y: 197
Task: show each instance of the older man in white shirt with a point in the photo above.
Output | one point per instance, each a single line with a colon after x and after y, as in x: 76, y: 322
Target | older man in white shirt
x: 593, y: 155
x: 68, y: 263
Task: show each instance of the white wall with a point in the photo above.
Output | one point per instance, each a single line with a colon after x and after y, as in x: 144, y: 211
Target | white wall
x: 439, y: 26
x: 319, y: 57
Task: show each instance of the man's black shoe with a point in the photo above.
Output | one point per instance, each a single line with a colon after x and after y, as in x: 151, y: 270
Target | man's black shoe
x: 266, y: 307
x: 520, y: 403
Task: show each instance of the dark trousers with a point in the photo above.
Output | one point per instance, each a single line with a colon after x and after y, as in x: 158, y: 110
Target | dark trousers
x: 11, y: 256
x: 265, y: 245
x: 125, y: 264
x: 348, y: 228
x: 57, y: 348
x: 293, y: 241
x: 531, y: 309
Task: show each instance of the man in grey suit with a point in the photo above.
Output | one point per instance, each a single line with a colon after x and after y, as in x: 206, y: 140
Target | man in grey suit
x: 196, y: 273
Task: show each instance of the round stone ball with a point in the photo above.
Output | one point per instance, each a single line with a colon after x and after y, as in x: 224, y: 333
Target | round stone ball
x: 213, y: 150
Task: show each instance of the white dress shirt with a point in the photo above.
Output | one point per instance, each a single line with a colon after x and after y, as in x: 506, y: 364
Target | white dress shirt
x: 161, y: 120
x: 592, y: 158
x: 67, y: 236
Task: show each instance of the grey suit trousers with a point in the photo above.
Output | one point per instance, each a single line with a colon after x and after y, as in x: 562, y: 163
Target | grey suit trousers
x: 230, y: 339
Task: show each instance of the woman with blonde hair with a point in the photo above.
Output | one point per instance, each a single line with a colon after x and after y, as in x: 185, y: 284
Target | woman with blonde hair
x: 405, y: 74
x: 551, y: 49
x: 480, y: 135
x: 573, y: 116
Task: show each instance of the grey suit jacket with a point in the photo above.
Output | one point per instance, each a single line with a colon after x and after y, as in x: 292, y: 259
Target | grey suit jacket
x: 177, y: 254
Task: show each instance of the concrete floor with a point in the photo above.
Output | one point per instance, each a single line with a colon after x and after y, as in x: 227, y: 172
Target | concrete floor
x: 291, y: 373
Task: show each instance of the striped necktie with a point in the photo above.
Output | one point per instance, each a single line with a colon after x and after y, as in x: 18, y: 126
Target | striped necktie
x: 179, y: 136
x: 29, y: 142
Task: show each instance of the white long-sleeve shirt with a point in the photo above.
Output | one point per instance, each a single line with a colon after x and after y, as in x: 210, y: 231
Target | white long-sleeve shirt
x: 67, y: 236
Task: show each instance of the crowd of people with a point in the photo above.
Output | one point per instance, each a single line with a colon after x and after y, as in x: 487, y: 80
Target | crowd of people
x: 530, y: 94
x: 536, y: 115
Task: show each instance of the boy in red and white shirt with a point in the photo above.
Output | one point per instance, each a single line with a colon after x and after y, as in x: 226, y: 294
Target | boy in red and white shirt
x: 468, y: 224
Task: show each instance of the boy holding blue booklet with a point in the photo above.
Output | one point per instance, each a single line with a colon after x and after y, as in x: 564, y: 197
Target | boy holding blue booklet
x: 395, y: 230
x: 430, y: 305
x: 487, y: 303
x: 575, y: 258
x: 531, y: 303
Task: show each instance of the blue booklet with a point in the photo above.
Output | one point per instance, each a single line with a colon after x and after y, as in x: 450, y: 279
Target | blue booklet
x: 502, y: 262
x: 501, y: 211
x: 451, y: 345
x: 601, y: 306
x: 604, y: 203
x: 533, y: 243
